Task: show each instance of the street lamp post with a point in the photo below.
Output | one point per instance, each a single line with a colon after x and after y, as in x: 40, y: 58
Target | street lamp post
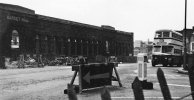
x: 190, y: 70
x: 185, y: 31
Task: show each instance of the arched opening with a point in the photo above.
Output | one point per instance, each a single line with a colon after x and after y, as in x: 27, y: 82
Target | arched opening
x: 15, y: 39
x: 15, y: 44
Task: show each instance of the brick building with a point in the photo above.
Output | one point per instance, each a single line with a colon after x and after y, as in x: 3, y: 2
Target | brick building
x: 22, y: 31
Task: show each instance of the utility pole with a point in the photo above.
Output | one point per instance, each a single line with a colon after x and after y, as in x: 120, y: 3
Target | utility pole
x: 185, y: 31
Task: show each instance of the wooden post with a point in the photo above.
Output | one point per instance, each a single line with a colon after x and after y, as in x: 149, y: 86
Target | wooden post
x: 191, y: 72
x: 163, y: 85
x: 71, y: 92
x: 105, y: 94
x: 191, y: 79
x: 137, y: 89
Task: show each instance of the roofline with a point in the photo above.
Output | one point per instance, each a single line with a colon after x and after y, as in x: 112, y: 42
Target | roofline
x: 77, y: 23
x: 168, y: 30
x: 20, y: 9
x: 16, y: 8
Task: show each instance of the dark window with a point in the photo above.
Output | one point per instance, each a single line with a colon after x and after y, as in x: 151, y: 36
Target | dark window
x: 166, y: 34
x: 176, y: 36
x: 177, y: 51
x: 157, y: 48
x: 167, y: 49
x: 158, y: 34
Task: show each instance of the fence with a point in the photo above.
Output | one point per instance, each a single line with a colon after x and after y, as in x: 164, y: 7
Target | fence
x: 137, y: 89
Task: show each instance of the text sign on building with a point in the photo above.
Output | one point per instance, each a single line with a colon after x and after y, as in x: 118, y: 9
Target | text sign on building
x: 95, y: 75
x: 18, y: 19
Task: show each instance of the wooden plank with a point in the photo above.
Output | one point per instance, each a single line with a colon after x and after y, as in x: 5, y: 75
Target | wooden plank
x: 71, y: 92
x: 105, y: 94
x: 191, y: 79
x: 163, y: 85
x: 137, y: 89
x: 191, y: 72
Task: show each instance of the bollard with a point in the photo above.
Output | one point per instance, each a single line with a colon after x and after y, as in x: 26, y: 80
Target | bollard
x: 142, y: 71
x: 142, y: 66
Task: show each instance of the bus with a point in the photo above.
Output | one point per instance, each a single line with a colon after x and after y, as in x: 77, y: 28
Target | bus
x: 167, y: 48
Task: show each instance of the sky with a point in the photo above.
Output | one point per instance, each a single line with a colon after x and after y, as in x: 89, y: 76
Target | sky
x: 142, y: 17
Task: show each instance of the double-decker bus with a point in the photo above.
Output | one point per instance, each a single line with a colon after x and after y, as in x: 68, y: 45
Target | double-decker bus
x: 167, y: 48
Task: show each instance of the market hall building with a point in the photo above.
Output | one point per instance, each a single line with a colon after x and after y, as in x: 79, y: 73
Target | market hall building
x: 22, y: 31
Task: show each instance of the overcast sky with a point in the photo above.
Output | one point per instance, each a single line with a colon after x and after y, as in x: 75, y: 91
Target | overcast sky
x: 142, y: 17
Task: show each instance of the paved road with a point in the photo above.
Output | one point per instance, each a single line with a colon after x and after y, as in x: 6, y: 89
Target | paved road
x: 49, y: 83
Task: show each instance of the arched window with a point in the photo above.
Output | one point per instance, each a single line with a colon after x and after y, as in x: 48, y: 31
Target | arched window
x: 15, y: 39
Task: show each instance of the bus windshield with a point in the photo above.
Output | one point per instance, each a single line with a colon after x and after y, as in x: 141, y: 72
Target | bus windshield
x: 167, y: 49
x: 157, y: 48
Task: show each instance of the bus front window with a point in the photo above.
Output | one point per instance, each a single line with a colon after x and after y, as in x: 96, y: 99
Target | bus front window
x: 166, y: 34
x: 167, y: 49
x: 157, y: 48
x: 158, y: 34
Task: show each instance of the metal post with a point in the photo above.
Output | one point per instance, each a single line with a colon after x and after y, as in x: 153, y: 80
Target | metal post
x: 185, y: 31
x: 73, y: 78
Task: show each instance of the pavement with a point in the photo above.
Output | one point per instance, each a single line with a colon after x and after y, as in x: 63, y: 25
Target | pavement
x: 49, y: 83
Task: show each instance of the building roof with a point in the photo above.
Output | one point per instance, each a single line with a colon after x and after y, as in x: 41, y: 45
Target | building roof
x: 16, y: 8
x: 21, y: 9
